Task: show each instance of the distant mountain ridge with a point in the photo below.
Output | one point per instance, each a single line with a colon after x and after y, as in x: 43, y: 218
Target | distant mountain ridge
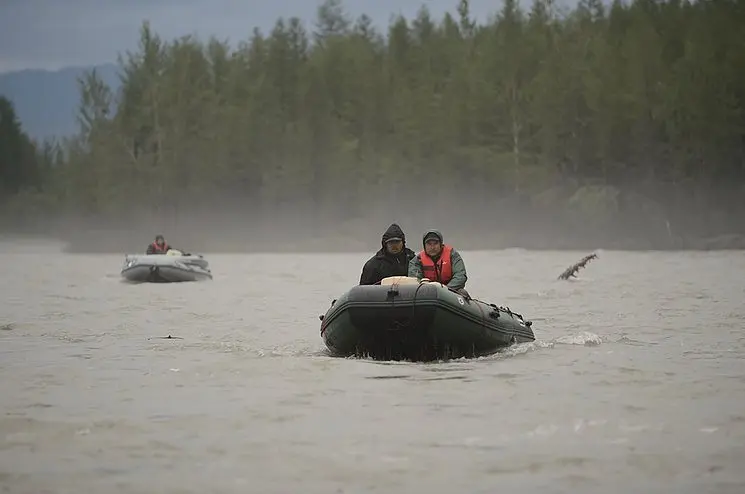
x: 46, y: 101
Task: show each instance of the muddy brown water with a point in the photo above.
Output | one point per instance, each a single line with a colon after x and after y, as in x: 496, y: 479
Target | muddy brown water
x: 636, y: 382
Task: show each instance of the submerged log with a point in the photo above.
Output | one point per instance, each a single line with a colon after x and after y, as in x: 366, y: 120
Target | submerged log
x: 571, y: 271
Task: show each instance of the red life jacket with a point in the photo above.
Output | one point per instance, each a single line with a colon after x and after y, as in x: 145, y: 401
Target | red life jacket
x: 157, y: 248
x: 442, y: 270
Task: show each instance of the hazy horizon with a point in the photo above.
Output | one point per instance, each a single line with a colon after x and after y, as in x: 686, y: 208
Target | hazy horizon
x: 235, y: 225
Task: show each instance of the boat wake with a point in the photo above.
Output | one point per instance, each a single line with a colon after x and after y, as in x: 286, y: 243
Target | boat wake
x: 584, y: 338
x: 312, y: 350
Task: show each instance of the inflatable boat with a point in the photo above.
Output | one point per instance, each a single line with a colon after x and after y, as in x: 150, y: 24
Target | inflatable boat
x: 403, y: 318
x: 169, y: 268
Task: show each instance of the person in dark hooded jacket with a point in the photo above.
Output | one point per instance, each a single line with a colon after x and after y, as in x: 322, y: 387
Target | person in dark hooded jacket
x: 391, y: 260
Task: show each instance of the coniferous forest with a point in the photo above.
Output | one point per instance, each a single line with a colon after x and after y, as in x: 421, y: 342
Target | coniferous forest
x: 604, y: 126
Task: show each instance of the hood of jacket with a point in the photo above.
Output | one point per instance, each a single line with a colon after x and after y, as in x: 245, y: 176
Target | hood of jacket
x: 432, y: 233
x: 393, y: 231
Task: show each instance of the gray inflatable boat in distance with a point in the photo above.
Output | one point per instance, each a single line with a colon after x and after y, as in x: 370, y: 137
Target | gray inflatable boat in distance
x: 174, y: 267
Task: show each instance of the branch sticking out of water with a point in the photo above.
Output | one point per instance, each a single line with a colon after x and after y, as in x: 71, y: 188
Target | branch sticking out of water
x: 571, y: 271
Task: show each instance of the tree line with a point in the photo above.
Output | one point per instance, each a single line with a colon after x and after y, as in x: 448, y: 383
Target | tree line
x: 630, y: 115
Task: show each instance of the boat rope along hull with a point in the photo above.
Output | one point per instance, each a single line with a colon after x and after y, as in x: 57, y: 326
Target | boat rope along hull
x: 425, y: 321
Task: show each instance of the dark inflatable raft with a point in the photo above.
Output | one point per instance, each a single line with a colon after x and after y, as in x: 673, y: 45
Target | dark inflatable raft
x: 404, y: 319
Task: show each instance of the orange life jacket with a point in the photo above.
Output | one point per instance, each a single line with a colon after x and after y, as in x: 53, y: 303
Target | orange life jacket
x: 158, y: 248
x: 442, y: 270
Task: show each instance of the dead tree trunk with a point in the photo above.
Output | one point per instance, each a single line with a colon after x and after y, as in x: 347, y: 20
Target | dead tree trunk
x: 571, y: 271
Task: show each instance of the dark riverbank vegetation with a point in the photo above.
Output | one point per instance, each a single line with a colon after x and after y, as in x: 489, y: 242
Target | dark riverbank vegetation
x: 602, y: 127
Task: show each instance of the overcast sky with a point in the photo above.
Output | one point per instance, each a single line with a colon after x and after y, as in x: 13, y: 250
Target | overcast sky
x: 51, y: 34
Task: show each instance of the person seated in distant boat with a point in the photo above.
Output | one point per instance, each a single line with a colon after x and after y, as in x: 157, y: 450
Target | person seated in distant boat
x: 160, y: 246
x: 439, y: 262
x: 391, y: 260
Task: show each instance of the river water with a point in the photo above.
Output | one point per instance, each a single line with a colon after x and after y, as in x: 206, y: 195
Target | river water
x: 636, y: 382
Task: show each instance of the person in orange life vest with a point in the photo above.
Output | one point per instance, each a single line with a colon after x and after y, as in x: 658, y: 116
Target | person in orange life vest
x: 158, y: 247
x: 439, y: 262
